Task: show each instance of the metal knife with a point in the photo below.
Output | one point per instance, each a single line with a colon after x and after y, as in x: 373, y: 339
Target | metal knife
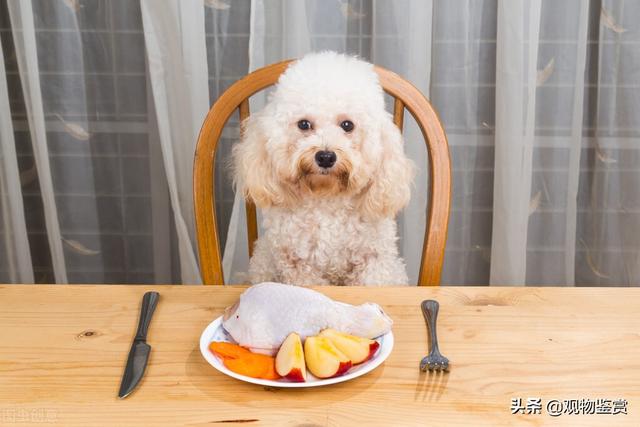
x: 139, y: 353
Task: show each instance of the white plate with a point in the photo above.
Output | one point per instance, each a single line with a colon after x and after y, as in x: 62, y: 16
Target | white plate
x: 215, y: 332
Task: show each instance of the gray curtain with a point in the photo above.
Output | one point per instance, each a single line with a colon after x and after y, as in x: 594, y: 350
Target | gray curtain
x: 101, y: 102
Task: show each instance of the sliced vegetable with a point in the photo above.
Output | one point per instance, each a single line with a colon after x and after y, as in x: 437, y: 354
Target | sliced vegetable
x: 241, y: 361
x: 254, y: 365
x: 226, y: 350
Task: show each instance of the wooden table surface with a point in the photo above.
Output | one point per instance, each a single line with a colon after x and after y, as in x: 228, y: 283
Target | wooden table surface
x: 63, y: 348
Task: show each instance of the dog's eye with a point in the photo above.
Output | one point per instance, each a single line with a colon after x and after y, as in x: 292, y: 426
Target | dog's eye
x: 304, y: 124
x: 347, y: 125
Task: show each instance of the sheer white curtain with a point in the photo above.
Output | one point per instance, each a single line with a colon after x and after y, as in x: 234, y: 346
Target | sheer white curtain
x: 14, y: 253
x: 608, y: 234
x: 101, y: 103
x: 104, y: 141
x: 175, y: 41
x: 24, y: 37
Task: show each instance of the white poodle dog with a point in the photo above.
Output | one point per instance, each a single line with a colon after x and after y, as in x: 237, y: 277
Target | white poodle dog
x: 325, y: 164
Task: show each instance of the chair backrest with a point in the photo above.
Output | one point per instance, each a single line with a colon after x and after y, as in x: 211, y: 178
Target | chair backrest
x: 237, y: 98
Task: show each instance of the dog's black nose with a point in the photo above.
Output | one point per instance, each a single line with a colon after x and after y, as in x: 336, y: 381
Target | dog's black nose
x: 326, y: 159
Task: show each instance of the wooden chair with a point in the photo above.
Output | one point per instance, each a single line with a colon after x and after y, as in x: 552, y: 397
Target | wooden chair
x: 237, y: 98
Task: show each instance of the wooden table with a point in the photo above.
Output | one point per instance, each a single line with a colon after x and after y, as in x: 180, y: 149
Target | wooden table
x: 63, y: 348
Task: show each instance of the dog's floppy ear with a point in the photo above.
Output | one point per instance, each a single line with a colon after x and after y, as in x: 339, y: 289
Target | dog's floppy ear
x: 390, y: 188
x: 253, y: 171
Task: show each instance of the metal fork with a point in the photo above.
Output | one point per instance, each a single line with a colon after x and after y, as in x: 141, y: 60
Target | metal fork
x: 434, y: 361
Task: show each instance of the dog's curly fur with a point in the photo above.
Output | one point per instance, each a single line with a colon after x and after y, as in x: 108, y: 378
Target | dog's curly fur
x: 325, y: 226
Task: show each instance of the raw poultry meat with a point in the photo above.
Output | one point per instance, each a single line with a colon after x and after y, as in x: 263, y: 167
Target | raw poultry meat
x: 267, y: 312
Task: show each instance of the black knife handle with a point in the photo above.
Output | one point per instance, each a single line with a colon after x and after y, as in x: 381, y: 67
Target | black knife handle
x: 149, y: 303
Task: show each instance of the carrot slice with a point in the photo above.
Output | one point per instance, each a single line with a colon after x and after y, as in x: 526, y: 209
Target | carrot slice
x: 226, y: 350
x: 271, y: 373
x: 253, y: 365
x: 243, y: 366
x: 268, y: 366
x: 243, y: 362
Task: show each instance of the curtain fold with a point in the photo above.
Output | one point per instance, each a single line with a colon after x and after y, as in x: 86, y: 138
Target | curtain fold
x: 177, y: 62
x: 609, y: 194
x: 463, y: 92
x: 518, y: 26
x: 24, y: 37
x: 577, y: 120
x: 401, y: 41
x: 15, y: 261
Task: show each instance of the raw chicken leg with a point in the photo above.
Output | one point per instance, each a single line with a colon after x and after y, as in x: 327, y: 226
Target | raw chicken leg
x: 266, y: 313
